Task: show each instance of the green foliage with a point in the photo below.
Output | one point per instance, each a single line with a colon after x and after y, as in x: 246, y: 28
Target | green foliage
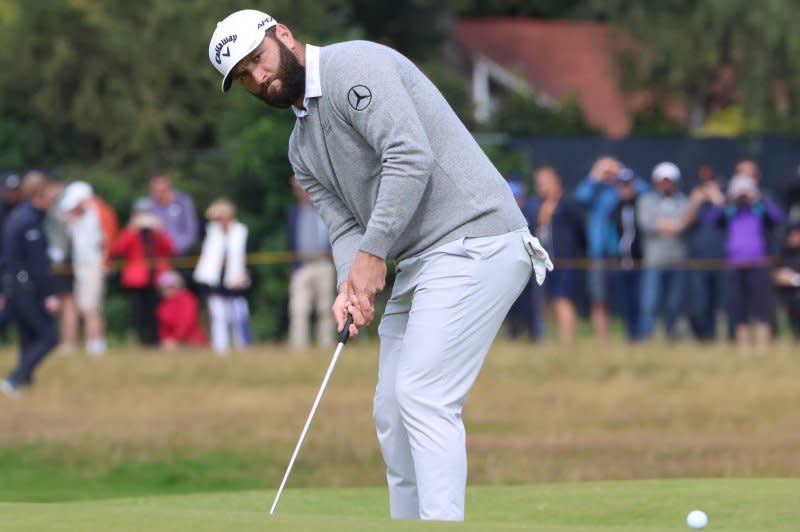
x: 713, y: 54
x: 523, y: 116
x: 652, y: 122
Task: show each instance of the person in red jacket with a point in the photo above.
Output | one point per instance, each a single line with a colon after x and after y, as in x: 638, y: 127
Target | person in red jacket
x: 178, y: 322
x: 145, y: 249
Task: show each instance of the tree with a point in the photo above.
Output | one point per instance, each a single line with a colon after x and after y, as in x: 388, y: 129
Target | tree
x: 712, y: 54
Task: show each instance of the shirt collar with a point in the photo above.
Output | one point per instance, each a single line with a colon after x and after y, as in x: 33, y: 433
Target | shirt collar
x: 313, y: 82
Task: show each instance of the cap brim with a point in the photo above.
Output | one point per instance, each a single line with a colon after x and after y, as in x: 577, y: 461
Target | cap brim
x: 227, y: 81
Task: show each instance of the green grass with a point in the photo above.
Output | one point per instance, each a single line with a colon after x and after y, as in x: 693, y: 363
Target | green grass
x: 733, y: 505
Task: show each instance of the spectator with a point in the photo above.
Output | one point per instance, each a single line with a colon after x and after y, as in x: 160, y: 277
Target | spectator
x: 87, y: 237
x: 627, y: 280
x: 27, y: 283
x: 597, y: 193
x: 791, y: 197
x: 748, y: 218
x: 11, y: 194
x: 660, y: 214
x: 11, y: 198
x: 222, y: 269
x: 177, y: 314
x: 176, y: 212
x: 313, y: 280
x: 561, y: 229
x: 787, y: 277
x: 145, y: 249
x: 706, y: 245
x: 60, y: 253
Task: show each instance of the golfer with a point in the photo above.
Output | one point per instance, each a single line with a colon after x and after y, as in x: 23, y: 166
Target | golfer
x: 395, y: 174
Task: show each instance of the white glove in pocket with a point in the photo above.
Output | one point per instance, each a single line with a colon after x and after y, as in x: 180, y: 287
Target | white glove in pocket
x: 539, y: 257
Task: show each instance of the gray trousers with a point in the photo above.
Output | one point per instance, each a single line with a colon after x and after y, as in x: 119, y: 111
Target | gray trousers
x: 444, y: 312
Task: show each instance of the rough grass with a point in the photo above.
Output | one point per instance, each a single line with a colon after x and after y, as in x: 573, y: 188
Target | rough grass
x: 762, y: 505
x: 140, y: 422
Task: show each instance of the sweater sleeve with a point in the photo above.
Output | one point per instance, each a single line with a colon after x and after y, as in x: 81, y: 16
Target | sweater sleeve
x: 371, y: 94
x: 344, y: 230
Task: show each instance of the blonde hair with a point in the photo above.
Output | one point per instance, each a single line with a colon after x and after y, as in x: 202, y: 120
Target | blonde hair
x: 219, y: 208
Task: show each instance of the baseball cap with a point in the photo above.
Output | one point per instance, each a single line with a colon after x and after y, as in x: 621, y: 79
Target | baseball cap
x: 11, y: 181
x: 235, y: 36
x: 626, y: 175
x: 144, y: 205
x: 170, y: 279
x: 75, y: 193
x: 666, y: 170
x: 517, y: 190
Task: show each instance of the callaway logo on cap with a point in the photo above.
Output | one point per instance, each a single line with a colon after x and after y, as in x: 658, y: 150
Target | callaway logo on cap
x: 235, y: 37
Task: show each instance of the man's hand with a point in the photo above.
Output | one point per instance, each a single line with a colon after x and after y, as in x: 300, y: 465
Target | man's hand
x: 342, y: 307
x: 367, y: 278
x: 52, y: 304
x: 669, y: 227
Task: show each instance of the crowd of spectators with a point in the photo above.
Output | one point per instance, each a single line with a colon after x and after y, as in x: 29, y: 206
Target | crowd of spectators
x: 646, y: 249
x: 639, y: 248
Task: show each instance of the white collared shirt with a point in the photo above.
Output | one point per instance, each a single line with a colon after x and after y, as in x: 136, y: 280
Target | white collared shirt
x: 313, y: 82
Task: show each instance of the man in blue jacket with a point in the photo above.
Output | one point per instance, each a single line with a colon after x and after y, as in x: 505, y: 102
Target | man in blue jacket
x: 599, y: 195
x: 27, y: 284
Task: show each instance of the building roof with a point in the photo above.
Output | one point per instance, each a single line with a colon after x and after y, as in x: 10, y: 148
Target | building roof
x: 558, y: 58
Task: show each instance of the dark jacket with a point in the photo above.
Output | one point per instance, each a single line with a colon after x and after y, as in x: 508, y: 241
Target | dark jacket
x: 627, y: 227
x: 24, y: 252
x: 566, y: 236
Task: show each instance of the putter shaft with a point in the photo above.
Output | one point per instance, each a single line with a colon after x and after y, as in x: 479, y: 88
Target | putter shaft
x: 342, y: 340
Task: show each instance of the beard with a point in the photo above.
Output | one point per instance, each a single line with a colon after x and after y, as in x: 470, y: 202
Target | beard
x: 292, y: 77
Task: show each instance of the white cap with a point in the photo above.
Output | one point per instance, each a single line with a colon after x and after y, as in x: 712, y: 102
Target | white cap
x: 74, y: 194
x: 235, y: 37
x: 742, y: 184
x: 666, y: 170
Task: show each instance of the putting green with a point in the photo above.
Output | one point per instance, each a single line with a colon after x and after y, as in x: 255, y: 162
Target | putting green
x: 731, y: 504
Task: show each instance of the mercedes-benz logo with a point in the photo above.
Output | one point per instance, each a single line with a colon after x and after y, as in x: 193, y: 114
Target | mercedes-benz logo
x: 359, y: 97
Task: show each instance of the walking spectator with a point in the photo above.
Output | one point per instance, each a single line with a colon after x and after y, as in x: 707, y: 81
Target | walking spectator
x: 706, y: 244
x: 60, y: 253
x: 176, y: 212
x: 660, y: 214
x: 222, y: 269
x: 597, y: 193
x: 145, y: 249
x: 27, y: 283
x: 88, y: 257
x: 561, y: 229
x: 313, y: 279
x: 748, y: 218
x: 627, y: 279
x: 11, y: 197
x: 787, y: 277
x: 177, y: 314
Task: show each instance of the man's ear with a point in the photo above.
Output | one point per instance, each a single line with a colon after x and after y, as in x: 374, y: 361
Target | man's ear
x: 284, y: 34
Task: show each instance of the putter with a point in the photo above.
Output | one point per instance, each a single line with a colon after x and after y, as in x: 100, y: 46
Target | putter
x: 343, y: 336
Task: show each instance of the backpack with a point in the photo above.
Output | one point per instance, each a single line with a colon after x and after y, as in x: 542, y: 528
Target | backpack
x: 109, y: 223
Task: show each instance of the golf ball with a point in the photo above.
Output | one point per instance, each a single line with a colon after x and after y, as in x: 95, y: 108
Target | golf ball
x: 697, y: 519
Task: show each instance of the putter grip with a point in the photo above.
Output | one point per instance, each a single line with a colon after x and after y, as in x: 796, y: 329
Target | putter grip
x: 345, y: 334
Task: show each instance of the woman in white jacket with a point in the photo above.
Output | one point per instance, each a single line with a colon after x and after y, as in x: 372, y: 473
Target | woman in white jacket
x: 222, y: 269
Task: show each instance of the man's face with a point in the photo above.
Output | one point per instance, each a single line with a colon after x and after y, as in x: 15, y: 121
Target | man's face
x: 548, y: 184
x: 748, y: 168
x: 272, y: 72
x: 161, y: 189
x: 665, y: 186
x: 626, y: 191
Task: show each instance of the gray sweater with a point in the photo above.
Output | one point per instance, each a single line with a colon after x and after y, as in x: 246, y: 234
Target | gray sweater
x: 657, y: 249
x: 387, y: 162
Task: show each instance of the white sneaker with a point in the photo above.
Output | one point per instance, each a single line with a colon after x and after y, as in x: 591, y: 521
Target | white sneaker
x: 10, y: 389
x: 96, y: 348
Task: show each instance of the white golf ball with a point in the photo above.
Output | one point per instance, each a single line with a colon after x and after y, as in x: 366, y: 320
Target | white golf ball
x: 697, y: 519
